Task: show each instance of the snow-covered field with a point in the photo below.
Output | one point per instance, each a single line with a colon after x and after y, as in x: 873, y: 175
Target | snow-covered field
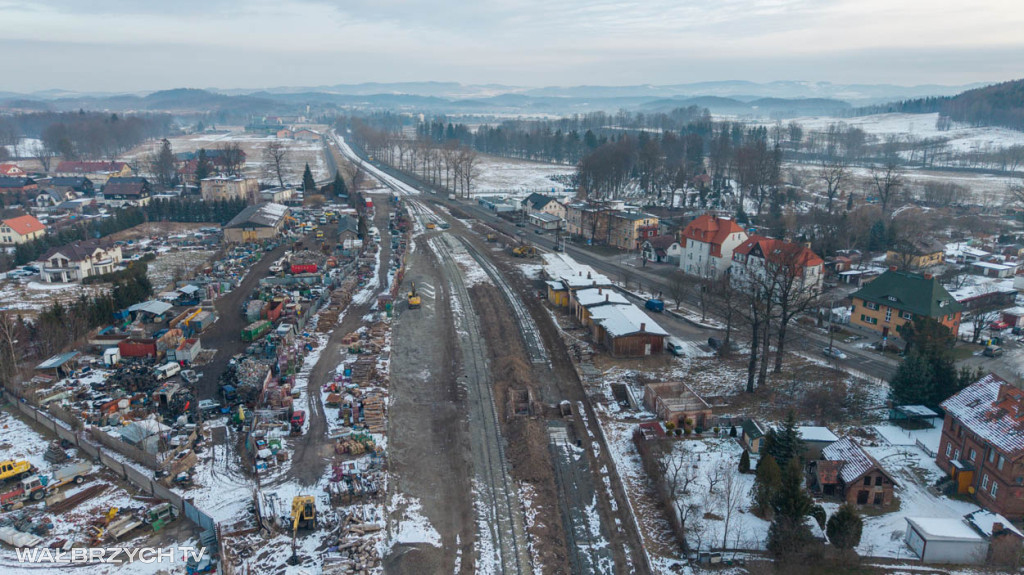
x: 517, y: 177
x: 30, y: 297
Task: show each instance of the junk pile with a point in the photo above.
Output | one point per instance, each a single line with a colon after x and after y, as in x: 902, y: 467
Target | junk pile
x: 355, y: 549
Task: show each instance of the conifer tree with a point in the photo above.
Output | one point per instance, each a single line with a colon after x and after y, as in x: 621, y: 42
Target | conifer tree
x: 845, y: 527
x: 308, y: 183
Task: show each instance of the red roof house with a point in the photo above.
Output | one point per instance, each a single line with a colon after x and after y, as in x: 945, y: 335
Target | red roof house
x: 707, y: 244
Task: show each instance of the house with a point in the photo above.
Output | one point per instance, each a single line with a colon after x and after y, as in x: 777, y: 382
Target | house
x: 17, y: 185
x: 1004, y: 540
x: 791, y: 264
x: 964, y: 253
x: 582, y: 302
x: 675, y: 403
x: 48, y: 198
x: 256, y: 223
x: 11, y: 171
x: 662, y: 249
x: 895, y: 298
x: 994, y: 269
x: 348, y: 231
x: 545, y: 221
x: 21, y: 229
x: 230, y: 188
x: 752, y: 435
x: 277, y: 195
x: 626, y: 331
x: 306, y: 135
x: 97, y: 172
x: 847, y: 471
x: 707, y: 245
x: 977, y: 292
x: 627, y: 230
x: 982, y: 445
x: 917, y: 253
x: 77, y: 261
x: 588, y: 221
x: 816, y: 439
x: 945, y: 540
x: 80, y: 184
x: 285, y: 134
x: 539, y: 203
x: 133, y: 190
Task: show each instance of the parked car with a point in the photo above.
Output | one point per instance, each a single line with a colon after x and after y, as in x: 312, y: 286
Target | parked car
x: 833, y: 352
x: 674, y: 346
x: 520, y: 225
x: 992, y: 351
x: 998, y: 325
x: 655, y: 305
x: 298, y: 420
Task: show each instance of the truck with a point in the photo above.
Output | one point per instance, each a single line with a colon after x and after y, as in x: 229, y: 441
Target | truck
x: 169, y: 369
x: 30, y: 488
x: 12, y: 469
x: 655, y: 305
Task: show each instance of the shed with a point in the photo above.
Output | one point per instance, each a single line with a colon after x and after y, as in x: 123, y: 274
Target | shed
x: 154, y: 310
x: 752, y: 436
x: 61, y: 364
x: 626, y: 331
x: 111, y: 356
x: 676, y: 403
x: 940, y: 540
x: 545, y: 221
x: 815, y: 439
x: 913, y: 413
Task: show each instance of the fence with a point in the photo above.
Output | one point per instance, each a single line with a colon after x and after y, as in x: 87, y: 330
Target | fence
x: 136, y: 477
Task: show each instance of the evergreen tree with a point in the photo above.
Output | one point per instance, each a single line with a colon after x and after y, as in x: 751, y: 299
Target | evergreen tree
x: 789, y: 534
x: 745, y: 462
x: 767, y: 481
x: 912, y: 383
x: 844, y: 527
x: 877, y: 238
x: 338, y: 186
x: 308, y: 183
x: 204, y: 167
x: 784, y: 444
x: 163, y: 164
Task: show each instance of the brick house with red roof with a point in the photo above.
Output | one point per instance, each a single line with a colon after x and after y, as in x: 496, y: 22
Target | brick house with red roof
x: 757, y: 254
x: 20, y: 230
x: 847, y: 471
x: 11, y: 171
x: 982, y: 445
x: 707, y: 245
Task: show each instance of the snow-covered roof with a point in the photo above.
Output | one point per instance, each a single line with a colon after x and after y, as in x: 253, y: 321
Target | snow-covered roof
x: 976, y: 408
x: 57, y: 360
x: 856, y: 461
x: 815, y: 433
x: 994, y: 266
x: 957, y: 249
x: 574, y: 274
x: 189, y: 289
x: 599, y: 296
x: 943, y: 529
x: 545, y: 217
x: 1015, y: 311
x: 619, y: 320
x: 917, y: 410
x: 555, y: 285
x: 152, y: 306
x: 984, y: 521
x: 976, y: 287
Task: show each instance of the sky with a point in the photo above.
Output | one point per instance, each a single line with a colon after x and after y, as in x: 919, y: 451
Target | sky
x: 141, y: 45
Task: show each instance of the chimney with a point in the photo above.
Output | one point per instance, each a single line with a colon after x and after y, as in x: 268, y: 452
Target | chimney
x: 588, y: 275
x: 892, y: 268
x: 643, y: 326
x: 996, y: 528
x: 928, y: 276
x: 600, y: 291
x: 580, y: 273
x: 605, y: 297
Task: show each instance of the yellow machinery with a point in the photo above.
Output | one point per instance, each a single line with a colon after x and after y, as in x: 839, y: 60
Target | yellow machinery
x: 414, y: 298
x: 431, y: 225
x: 14, y: 469
x: 524, y: 252
x: 303, y: 517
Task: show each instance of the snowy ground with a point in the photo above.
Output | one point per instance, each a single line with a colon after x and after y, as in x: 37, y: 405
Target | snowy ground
x: 518, y: 177
x: 30, y: 296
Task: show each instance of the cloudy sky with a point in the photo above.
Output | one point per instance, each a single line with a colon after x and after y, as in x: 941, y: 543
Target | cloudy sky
x: 127, y: 45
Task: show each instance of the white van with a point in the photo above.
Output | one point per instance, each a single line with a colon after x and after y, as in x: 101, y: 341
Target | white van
x: 674, y: 345
x: 166, y: 370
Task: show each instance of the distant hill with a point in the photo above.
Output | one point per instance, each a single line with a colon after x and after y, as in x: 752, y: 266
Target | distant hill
x: 996, y: 105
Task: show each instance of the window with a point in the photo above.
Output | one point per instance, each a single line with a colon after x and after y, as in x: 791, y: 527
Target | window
x: 984, y: 482
x: 878, y: 481
x: 888, y: 314
x: 949, y: 449
x: 870, y: 305
x: 906, y: 315
x: 994, y: 490
x: 973, y: 454
x: 1002, y: 460
x: 868, y: 320
x: 949, y: 317
x: 956, y: 455
x: 867, y: 481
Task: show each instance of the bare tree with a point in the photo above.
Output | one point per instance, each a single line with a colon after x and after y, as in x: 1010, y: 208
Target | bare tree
x: 832, y: 172
x: 888, y: 182
x: 9, y: 328
x: 731, y: 497
x: 232, y: 157
x: 677, y: 286
x: 796, y: 287
x: 274, y: 161
x: 469, y: 163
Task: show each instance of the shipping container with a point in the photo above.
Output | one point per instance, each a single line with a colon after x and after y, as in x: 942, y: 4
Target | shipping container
x: 137, y: 348
x: 255, y: 330
x: 304, y: 268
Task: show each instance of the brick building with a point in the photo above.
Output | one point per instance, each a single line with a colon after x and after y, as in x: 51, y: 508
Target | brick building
x: 847, y: 471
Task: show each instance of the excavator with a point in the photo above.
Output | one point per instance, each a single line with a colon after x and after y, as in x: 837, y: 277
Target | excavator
x: 524, y: 251
x: 303, y: 517
x: 414, y: 298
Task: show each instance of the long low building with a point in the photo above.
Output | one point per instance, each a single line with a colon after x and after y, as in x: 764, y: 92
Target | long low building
x: 626, y: 331
x: 256, y: 223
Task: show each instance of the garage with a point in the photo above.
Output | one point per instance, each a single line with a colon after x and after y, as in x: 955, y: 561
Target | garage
x: 936, y: 540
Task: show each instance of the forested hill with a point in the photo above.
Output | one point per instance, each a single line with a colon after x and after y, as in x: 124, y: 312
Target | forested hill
x: 995, y: 105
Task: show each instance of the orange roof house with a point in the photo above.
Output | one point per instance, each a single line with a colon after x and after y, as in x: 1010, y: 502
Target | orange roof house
x: 707, y: 245
x: 20, y: 230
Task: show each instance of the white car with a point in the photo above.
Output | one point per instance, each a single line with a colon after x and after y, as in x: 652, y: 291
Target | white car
x: 833, y: 352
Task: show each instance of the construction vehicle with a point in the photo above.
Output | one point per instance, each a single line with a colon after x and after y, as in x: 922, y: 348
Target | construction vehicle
x: 414, y: 298
x: 303, y: 517
x: 492, y: 237
x: 30, y: 488
x: 12, y: 469
x: 524, y: 252
x: 431, y: 225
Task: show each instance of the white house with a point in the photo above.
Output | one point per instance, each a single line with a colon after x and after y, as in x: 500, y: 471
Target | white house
x: 20, y: 230
x: 77, y: 261
x: 754, y: 257
x: 707, y: 245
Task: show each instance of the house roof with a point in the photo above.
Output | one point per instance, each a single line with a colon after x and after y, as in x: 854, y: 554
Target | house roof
x: 57, y: 360
x: 621, y: 320
x: 828, y: 472
x: 347, y: 223
x: 994, y: 410
x: 815, y: 433
x: 779, y: 251
x: 133, y: 186
x: 152, y: 306
x: 920, y: 246
x: 75, y: 252
x: 984, y: 522
x: 712, y: 230
x: 916, y: 293
x: 633, y: 216
x: 573, y: 274
x: 537, y: 201
x: 943, y: 529
x: 24, y: 225
x: 69, y: 181
x: 89, y: 167
x: 753, y: 429
x: 15, y: 182
x: 546, y: 217
x: 266, y: 214
x: 599, y: 296
x: 11, y: 170
x: 662, y: 242
x: 856, y: 461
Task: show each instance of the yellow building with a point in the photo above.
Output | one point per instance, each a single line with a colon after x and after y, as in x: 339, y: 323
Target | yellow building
x: 627, y: 230
x: 895, y: 298
x: 20, y: 230
x: 916, y: 254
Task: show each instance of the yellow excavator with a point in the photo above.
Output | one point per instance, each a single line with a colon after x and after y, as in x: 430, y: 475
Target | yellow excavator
x: 414, y: 298
x: 303, y: 517
x: 524, y: 251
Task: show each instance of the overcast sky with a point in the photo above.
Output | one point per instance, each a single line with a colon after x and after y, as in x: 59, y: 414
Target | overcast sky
x: 129, y: 45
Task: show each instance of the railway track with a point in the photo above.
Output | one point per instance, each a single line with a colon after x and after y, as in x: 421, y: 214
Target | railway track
x: 527, y: 327
x: 500, y: 516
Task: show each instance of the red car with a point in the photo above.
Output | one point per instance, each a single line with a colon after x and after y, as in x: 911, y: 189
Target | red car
x: 998, y: 325
x: 298, y: 419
